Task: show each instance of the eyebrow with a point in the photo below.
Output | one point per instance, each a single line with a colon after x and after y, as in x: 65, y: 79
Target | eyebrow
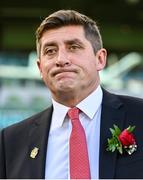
x: 49, y: 44
x: 70, y: 41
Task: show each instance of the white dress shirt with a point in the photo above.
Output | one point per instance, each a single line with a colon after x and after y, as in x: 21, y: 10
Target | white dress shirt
x: 57, y: 159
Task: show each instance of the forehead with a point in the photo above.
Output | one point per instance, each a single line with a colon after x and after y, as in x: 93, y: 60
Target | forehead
x: 63, y: 34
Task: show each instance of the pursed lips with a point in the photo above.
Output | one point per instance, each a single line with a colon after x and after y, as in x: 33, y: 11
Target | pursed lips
x: 60, y: 71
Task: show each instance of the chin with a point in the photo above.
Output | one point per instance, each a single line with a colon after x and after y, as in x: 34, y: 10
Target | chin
x: 64, y: 88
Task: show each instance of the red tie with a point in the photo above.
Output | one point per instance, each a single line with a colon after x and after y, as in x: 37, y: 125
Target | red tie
x: 79, y: 162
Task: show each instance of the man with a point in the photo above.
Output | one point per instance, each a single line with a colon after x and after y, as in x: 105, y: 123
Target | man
x: 70, y: 56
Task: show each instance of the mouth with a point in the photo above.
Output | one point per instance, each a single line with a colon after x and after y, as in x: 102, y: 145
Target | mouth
x: 62, y: 71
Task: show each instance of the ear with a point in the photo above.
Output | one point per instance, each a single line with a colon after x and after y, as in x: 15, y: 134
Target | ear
x: 101, y: 56
x: 39, y: 66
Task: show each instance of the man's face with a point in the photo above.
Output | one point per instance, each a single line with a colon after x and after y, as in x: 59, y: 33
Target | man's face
x: 67, y: 62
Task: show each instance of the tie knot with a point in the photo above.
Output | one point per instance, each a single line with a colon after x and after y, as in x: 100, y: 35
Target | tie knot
x: 73, y: 113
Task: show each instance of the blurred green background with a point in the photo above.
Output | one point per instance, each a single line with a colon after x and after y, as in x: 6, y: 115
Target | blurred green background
x: 22, y: 93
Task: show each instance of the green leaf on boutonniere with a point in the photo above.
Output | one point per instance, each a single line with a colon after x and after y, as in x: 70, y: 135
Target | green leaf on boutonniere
x: 114, y: 143
x: 130, y: 128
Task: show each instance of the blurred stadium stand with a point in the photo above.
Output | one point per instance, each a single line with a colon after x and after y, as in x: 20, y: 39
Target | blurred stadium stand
x: 22, y: 93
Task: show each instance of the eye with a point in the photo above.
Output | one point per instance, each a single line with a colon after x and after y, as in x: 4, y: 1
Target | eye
x: 73, y: 47
x: 50, y: 51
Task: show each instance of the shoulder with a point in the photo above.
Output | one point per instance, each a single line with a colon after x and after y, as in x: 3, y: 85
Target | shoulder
x: 125, y: 108
x: 124, y: 98
x: 25, y: 124
x: 128, y: 102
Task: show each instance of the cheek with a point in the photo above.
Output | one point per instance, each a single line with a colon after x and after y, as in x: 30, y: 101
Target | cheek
x: 87, y: 67
x: 45, y: 67
x: 91, y: 67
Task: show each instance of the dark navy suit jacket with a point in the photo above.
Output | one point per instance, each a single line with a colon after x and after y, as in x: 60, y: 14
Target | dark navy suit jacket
x: 17, y: 141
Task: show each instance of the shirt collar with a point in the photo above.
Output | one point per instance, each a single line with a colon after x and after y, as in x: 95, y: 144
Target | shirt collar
x: 59, y: 114
x: 89, y: 106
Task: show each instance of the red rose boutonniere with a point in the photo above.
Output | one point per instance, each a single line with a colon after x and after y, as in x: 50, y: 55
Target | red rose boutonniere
x: 122, y: 140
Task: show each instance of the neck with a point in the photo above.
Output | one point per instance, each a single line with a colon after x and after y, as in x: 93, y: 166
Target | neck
x: 71, y: 99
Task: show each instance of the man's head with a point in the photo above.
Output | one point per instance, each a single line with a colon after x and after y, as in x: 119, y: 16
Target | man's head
x: 70, y: 17
x: 70, y: 56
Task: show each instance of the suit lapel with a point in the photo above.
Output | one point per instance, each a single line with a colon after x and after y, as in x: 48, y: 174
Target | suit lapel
x: 112, y: 113
x: 38, y: 138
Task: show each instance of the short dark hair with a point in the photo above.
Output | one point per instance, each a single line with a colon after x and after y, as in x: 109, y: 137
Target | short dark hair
x: 70, y: 17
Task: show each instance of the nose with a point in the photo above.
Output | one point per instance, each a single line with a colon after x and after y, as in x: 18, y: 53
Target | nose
x: 62, y: 59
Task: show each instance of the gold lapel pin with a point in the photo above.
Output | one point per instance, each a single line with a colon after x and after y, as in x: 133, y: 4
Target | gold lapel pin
x: 34, y: 152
